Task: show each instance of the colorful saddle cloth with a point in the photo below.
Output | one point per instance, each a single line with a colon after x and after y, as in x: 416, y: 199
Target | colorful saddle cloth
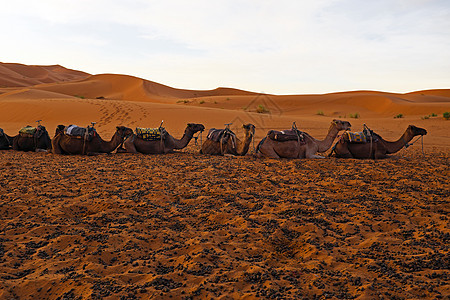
x: 151, y: 134
x: 356, y: 137
x: 217, y: 135
x: 29, y: 130
x: 360, y: 137
x: 287, y: 135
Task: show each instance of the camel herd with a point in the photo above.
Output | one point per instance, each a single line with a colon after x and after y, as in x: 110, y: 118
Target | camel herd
x: 277, y: 144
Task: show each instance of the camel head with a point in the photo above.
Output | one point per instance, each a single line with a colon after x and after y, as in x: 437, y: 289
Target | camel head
x: 40, y: 131
x: 124, y: 131
x: 192, y: 127
x: 416, y: 130
x: 59, y: 129
x: 342, y: 125
x: 43, y: 139
x: 250, y: 128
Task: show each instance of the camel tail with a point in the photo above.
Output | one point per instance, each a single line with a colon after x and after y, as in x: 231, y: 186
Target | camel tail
x: 260, y: 144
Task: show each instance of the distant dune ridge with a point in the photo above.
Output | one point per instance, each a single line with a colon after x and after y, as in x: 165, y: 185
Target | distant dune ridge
x: 16, y: 75
x: 70, y: 96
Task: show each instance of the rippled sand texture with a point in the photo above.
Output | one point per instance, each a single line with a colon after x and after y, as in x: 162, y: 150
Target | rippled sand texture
x: 189, y: 225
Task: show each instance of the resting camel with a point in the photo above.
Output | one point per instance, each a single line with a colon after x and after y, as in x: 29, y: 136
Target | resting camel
x: 298, y: 149
x: 233, y: 145
x: 135, y: 144
x: 40, y: 141
x: 6, y: 141
x: 66, y: 144
x: 379, y: 148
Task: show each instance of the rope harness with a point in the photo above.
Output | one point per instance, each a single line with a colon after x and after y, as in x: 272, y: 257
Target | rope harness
x: 411, y: 144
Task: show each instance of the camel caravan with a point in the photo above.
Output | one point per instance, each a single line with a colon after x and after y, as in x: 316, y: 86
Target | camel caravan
x: 291, y: 143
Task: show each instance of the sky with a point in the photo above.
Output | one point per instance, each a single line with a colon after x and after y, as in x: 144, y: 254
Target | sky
x: 278, y: 47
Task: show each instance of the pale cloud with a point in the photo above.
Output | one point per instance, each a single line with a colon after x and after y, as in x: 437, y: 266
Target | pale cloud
x: 273, y: 46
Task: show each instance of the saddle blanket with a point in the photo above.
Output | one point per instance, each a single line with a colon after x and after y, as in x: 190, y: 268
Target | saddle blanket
x: 151, y: 134
x: 216, y: 135
x: 75, y: 130
x: 286, y: 135
x: 356, y: 137
x: 28, y: 130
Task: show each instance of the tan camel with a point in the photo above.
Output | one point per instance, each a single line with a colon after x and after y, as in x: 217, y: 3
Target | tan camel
x: 135, y: 144
x: 66, y: 144
x: 301, y: 149
x: 233, y: 144
x: 379, y: 148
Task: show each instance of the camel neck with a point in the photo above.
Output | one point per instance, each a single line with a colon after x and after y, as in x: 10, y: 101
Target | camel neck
x: 326, y: 143
x: 393, y: 147
x: 242, y: 147
x: 184, y: 141
x: 109, y: 146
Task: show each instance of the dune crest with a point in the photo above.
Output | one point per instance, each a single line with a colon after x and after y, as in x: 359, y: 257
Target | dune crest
x: 19, y: 75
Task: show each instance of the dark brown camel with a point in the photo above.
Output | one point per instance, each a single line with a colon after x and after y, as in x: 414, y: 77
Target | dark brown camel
x: 135, y: 144
x: 379, y: 148
x: 66, y: 144
x: 40, y: 141
x: 6, y: 141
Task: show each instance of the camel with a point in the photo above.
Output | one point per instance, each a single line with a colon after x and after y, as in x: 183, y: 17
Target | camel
x: 298, y: 148
x: 6, y: 141
x: 135, y: 144
x: 378, y: 148
x: 232, y: 145
x: 39, y: 142
x: 66, y: 144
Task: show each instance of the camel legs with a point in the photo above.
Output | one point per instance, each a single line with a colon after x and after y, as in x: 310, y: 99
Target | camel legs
x: 56, y: 149
x: 314, y: 156
x: 342, y: 151
x: 268, y: 152
x: 129, y: 146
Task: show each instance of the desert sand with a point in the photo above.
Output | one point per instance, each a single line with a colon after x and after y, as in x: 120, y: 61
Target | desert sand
x: 187, y: 225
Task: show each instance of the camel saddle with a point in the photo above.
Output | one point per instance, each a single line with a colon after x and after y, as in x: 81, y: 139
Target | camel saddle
x: 28, y: 131
x: 217, y: 135
x: 287, y: 135
x: 80, y: 132
x: 151, y: 134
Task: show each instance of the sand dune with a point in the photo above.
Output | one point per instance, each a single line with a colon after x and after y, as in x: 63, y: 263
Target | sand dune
x: 12, y: 75
x: 111, y: 100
